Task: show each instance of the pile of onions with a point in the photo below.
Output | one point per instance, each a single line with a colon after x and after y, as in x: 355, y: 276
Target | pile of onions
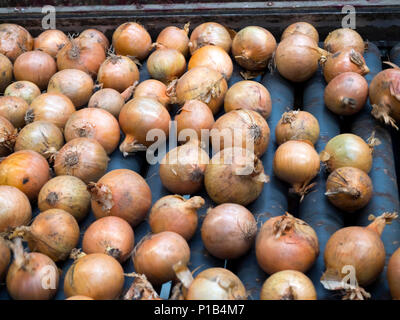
x: 40, y: 136
x: 23, y: 89
x: 50, y: 107
x: 210, y: 33
x: 122, y: 193
x: 235, y: 175
x: 75, y: 84
x: 393, y: 275
x: 288, y: 285
x: 297, y: 125
x: 182, y: 169
x: 349, y: 188
x: 200, y: 83
x: 110, y: 100
x: 153, y: 89
x: 297, y: 57
x: 5, y: 257
x: 14, y: 40
x: 8, y: 135
x: 212, y: 57
x: 249, y: 95
x: 26, y: 170
x: 132, y: 39
x: 253, y: 47
x: 137, y: 118
x: 67, y: 193
x: 359, y: 247
x: 346, y: 94
x: 166, y: 64
x: 297, y: 163
x: 347, y: 150
x: 177, y: 214
x: 83, y: 158
x: 14, y: 110
x: 53, y: 232
x: 175, y: 38
x: 156, y: 255
x: 110, y: 235
x: 286, y: 243
x: 342, y: 38
x: 15, y: 208
x: 118, y: 72
x: 6, y: 75
x: 50, y: 41
x: 96, y: 124
x: 95, y: 36
x: 228, y: 231
x: 95, y: 275
x: 241, y: 128
x: 303, y: 28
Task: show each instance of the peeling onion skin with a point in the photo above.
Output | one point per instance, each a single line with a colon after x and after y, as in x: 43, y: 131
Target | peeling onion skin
x: 93, y: 35
x: 166, y: 65
x: 344, y: 38
x: 8, y: 135
x: 14, y: 110
x: 5, y: 257
x: 14, y: 40
x: 51, y: 42
x: 210, y: 33
x: 175, y: 38
x: 23, y: 89
x: 107, y: 99
x: 288, y: 285
x: 6, y: 75
x: 393, y: 275
x: 303, y: 28
x: 155, y: 89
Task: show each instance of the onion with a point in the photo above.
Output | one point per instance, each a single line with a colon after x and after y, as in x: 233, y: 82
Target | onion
x: 96, y: 275
x: 393, y: 275
x: 297, y: 57
x: 6, y: 73
x: 94, y: 123
x: 15, y: 208
x: 303, y: 28
x: 175, y: 38
x: 288, y: 285
x: 297, y: 163
x: 83, y: 158
x: 23, y: 89
x: 349, y: 188
x: 228, y: 231
x: 358, y: 247
x: 235, y: 175
x: 110, y: 100
x: 166, y: 64
x: 14, y: 109
x: 132, y: 39
x: 8, y: 135
x: 40, y: 136
x: 342, y: 38
x: 50, y: 107
x: 286, y: 243
x: 51, y: 42
x: 153, y: 89
x: 212, y: 57
x: 241, y: 128
x: 157, y: 253
x: 14, y: 40
x: 175, y: 213
x: 347, y: 150
x: 118, y: 72
x: 26, y: 170
x: 297, y: 125
x: 67, y: 193
x: 95, y: 36
x: 5, y: 257
x: 253, y: 47
x: 122, y: 193
x: 75, y: 84
x: 110, y: 235
x: 249, y: 95
x: 210, y: 33
x: 79, y: 298
x: 137, y: 118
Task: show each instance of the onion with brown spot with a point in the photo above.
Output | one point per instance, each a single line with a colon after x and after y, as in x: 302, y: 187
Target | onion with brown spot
x: 166, y: 64
x: 344, y: 38
x: 14, y: 40
x: 303, y: 28
x: 14, y: 110
x: 210, y: 33
x: 6, y: 75
x: 50, y: 41
x: 95, y: 36
x: 23, y: 89
x: 8, y: 135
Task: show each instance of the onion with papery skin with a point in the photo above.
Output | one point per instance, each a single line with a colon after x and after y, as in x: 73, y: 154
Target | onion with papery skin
x: 297, y: 163
x: 26, y: 170
x: 344, y: 38
x: 67, y: 193
x: 303, y: 28
x: 40, y: 136
x: 110, y: 100
x: 15, y: 208
x: 249, y: 95
x: 5, y: 257
x: 393, y: 275
x: 50, y: 107
x: 286, y: 243
x: 137, y: 118
x: 122, y: 193
x: 14, y: 40
x: 177, y: 214
x: 8, y: 135
x: 153, y: 89
x: 110, y: 235
x: 166, y: 64
x: 132, y: 39
x: 95, y: 275
x: 6, y: 75
x: 23, y: 89
x: 14, y: 110
x: 157, y: 253
x: 175, y: 38
x: 118, y: 72
x: 228, y: 231
x: 358, y: 247
x: 241, y: 128
x: 297, y: 125
x: 235, y: 175
x: 140, y: 289
x: 75, y: 84
x: 50, y: 41
x: 210, y: 33
x: 95, y: 36
x: 253, y: 47
x: 288, y: 285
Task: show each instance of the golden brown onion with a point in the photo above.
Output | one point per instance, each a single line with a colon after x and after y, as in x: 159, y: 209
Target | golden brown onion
x: 174, y: 38
x: 303, y: 28
x: 210, y: 33
x: 14, y: 40
x: 50, y: 41
x: 23, y: 89
x: 344, y: 38
x: 6, y: 75
x: 393, y: 275
x: 5, y: 257
x: 8, y: 135
x: 166, y: 64
x: 153, y: 89
x: 14, y: 110
x: 93, y: 35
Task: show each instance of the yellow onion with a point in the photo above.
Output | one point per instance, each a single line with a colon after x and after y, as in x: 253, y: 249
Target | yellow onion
x: 344, y: 38
x: 303, y: 28
x: 14, y: 40
x: 5, y: 257
x: 210, y: 33
x: 393, y: 275
x: 93, y: 35
x: 174, y: 38
x: 23, y: 89
x: 8, y: 135
x: 153, y: 89
x: 6, y: 75
x: 50, y: 41
x: 14, y: 110
x: 110, y: 100
x: 166, y: 64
